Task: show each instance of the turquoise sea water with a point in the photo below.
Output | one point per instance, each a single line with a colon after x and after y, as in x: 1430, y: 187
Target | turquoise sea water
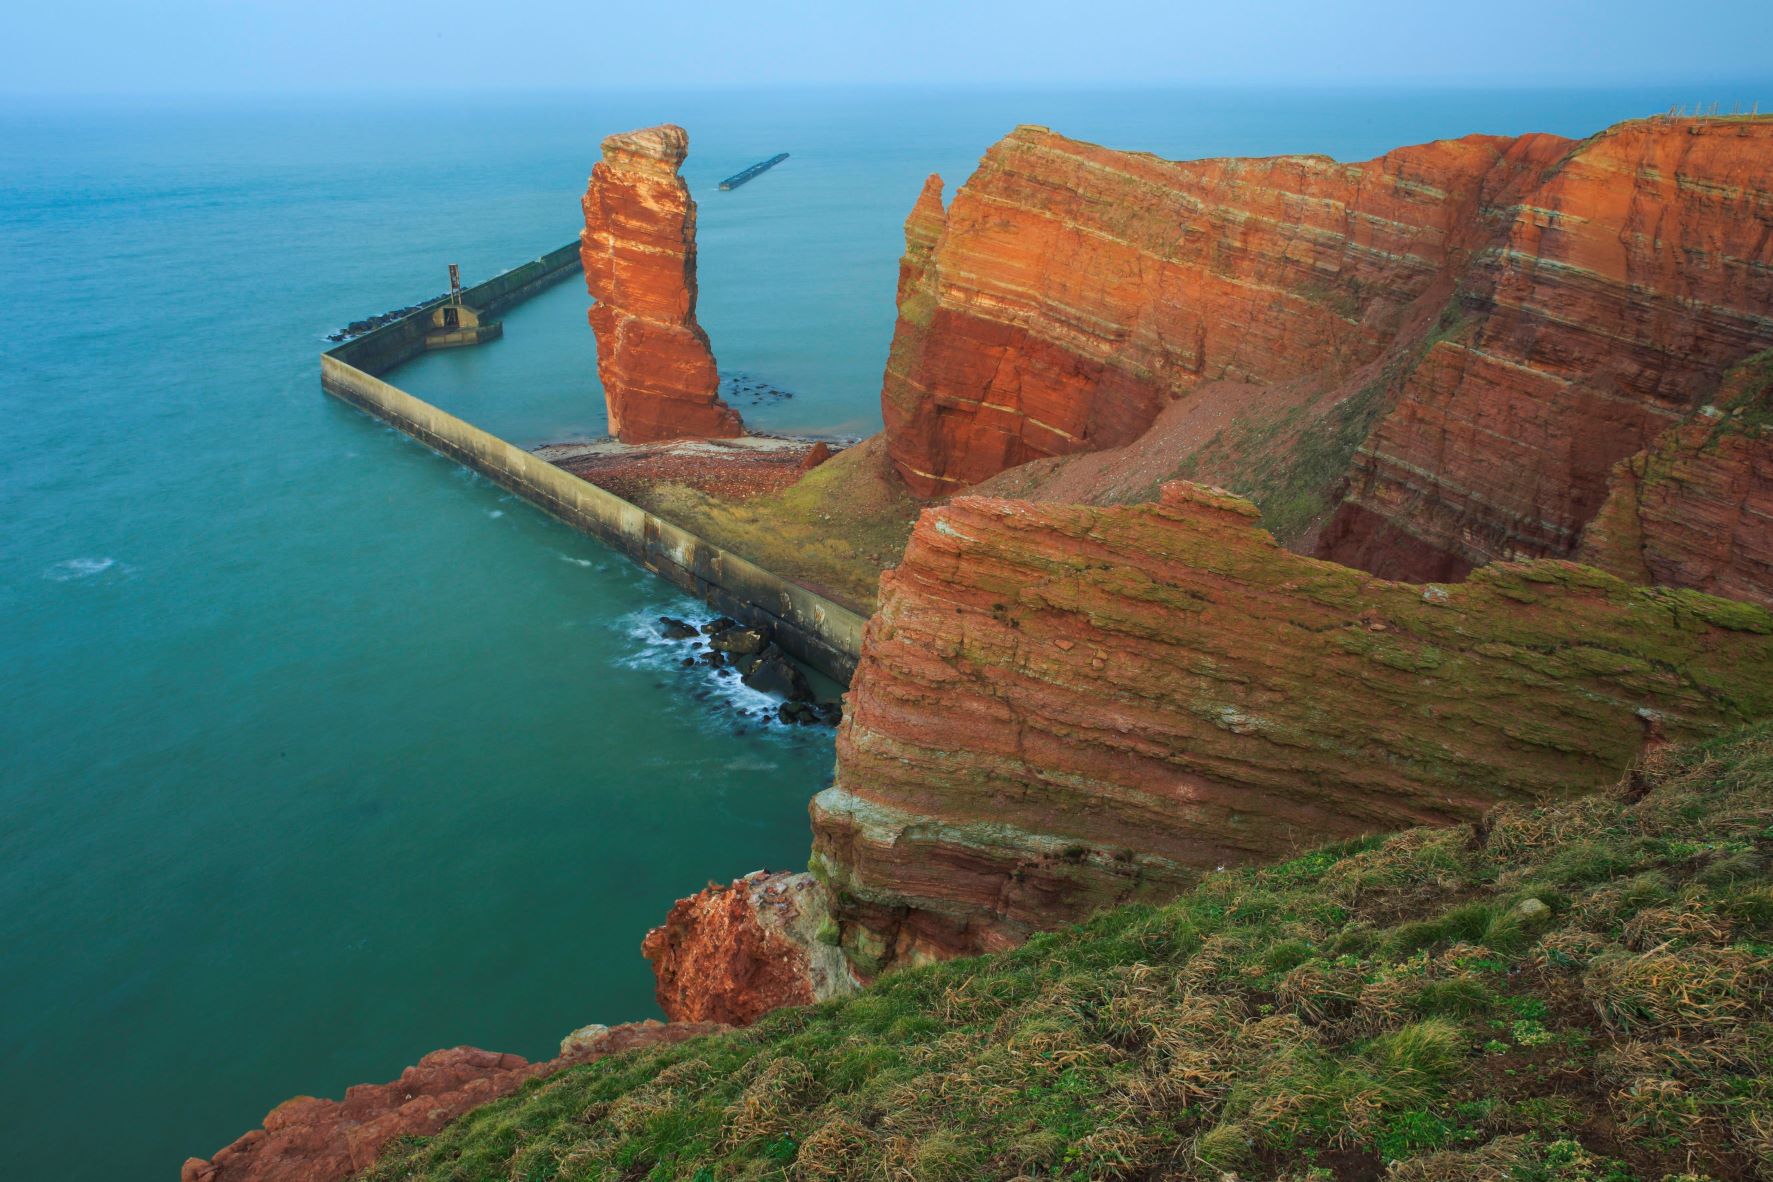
x: 317, y: 753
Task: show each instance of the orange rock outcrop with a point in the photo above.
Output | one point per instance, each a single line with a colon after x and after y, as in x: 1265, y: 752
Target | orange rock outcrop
x: 1064, y: 707
x: 1431, y: 360
x: 639, y: 253
x: 732, y: 954
x: 313, y: 1140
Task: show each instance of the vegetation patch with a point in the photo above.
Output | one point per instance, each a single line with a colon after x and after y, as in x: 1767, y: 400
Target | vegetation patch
x: 833, y: 531
x: 1580, y: 992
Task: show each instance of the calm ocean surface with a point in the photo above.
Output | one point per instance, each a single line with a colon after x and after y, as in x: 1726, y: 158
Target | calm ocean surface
x: 317, y: 753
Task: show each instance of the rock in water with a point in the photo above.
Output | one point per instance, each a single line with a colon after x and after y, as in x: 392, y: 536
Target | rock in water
x: 1060, y: 708
x: 732, y: 954
x: 639, y: 254
x: 740, y: 642
x: 673, y: 629
x: 1440, y: 354
x: 775, y: 674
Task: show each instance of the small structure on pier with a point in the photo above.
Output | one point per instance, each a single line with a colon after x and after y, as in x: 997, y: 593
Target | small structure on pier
x: 454, y: 323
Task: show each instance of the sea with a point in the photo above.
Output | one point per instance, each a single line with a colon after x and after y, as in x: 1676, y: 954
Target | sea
x: 318, y: 752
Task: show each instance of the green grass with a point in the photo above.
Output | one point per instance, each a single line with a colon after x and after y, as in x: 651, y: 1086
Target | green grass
x: 1570, y: 993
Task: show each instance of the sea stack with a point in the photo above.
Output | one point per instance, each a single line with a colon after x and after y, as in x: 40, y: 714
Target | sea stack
x: 639, y: 252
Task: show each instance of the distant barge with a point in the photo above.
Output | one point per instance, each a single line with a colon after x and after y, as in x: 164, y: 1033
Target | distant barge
x: 739, y: 178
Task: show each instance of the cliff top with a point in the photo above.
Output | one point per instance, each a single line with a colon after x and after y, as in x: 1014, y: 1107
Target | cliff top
x: 1554, y: 994
x: 660, y: 149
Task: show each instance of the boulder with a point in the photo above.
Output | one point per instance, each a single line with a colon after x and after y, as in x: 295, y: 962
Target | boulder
x: 733, y: 953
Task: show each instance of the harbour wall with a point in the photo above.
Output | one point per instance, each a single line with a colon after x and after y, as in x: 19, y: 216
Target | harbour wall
x: 809, y: 627
x: 381, y: 349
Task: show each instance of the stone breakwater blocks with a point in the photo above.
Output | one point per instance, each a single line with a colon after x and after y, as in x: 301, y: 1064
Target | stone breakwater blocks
x: 639, y: 254
x: 1497, y: 301
x: 1061, y: 708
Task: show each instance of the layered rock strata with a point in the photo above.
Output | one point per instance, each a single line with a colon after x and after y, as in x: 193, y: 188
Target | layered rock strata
x: 639, y: 253
x: 1695, y: 509
x: 733, y: 953
x: 312, y: 1140
x: 1475, y: 330
x: 1064, y: 707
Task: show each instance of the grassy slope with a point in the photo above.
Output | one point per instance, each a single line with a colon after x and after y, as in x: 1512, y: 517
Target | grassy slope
x: 834, y: 530
x: 1400, y: 1007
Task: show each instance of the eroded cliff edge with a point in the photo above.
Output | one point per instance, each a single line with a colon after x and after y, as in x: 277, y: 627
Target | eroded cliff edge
x: 1060, y: 708
x: 1416, y: 364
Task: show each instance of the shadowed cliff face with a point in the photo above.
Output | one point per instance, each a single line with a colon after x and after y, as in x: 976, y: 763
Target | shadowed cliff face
x: 639, y: 252
x: 1460, y: 338
x: 1062, y: 707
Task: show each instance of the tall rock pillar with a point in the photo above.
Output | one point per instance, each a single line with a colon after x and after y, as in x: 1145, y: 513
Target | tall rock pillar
x: 639, y: 252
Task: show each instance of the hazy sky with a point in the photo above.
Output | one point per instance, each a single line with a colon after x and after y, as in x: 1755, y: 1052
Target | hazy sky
x: 183, y: 46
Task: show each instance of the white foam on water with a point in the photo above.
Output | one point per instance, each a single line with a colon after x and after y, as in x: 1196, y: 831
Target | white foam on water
x: 83, y: 568
x: 574, y: 559
x: 495, y: 513
x: 719, y: 690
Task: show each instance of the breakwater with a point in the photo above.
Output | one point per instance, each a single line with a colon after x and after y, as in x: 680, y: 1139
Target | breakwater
x: 808, y: 626
x: 381, y: 349
x: 756, y: 170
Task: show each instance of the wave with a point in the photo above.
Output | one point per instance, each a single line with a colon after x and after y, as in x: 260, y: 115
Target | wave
x: 719, y: 689
x: 83, y: 568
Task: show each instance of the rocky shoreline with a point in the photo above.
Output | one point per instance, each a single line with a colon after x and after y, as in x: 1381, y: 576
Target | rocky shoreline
x: 750, y: 653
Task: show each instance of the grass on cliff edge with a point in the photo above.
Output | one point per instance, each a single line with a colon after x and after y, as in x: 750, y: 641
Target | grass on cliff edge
x: 834, y: 530
x: 1572, y: 993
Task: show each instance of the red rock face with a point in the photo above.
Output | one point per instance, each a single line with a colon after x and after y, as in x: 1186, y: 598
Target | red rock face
x: 1061, y: 708
x: 1629, y: 280
x: 732, y: 954
x: 1071, y: 290
x: 1692, y: 510
x: 312, y: 1140
x: 639, y: 253
x: 1521, y: 315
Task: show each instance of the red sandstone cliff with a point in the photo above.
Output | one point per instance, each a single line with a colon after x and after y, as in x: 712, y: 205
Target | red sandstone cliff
x: 732, y: 954
x: 313, y: 1140
x: 1695, y: 509
x: 1463, y: 337
x: 639, y: 254
x: 1063, y: 707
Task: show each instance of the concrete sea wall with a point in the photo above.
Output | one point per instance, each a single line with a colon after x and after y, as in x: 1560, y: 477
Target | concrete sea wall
x: 808, y: 626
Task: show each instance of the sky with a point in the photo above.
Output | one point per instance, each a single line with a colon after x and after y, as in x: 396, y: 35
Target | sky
x: 178, y: 47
